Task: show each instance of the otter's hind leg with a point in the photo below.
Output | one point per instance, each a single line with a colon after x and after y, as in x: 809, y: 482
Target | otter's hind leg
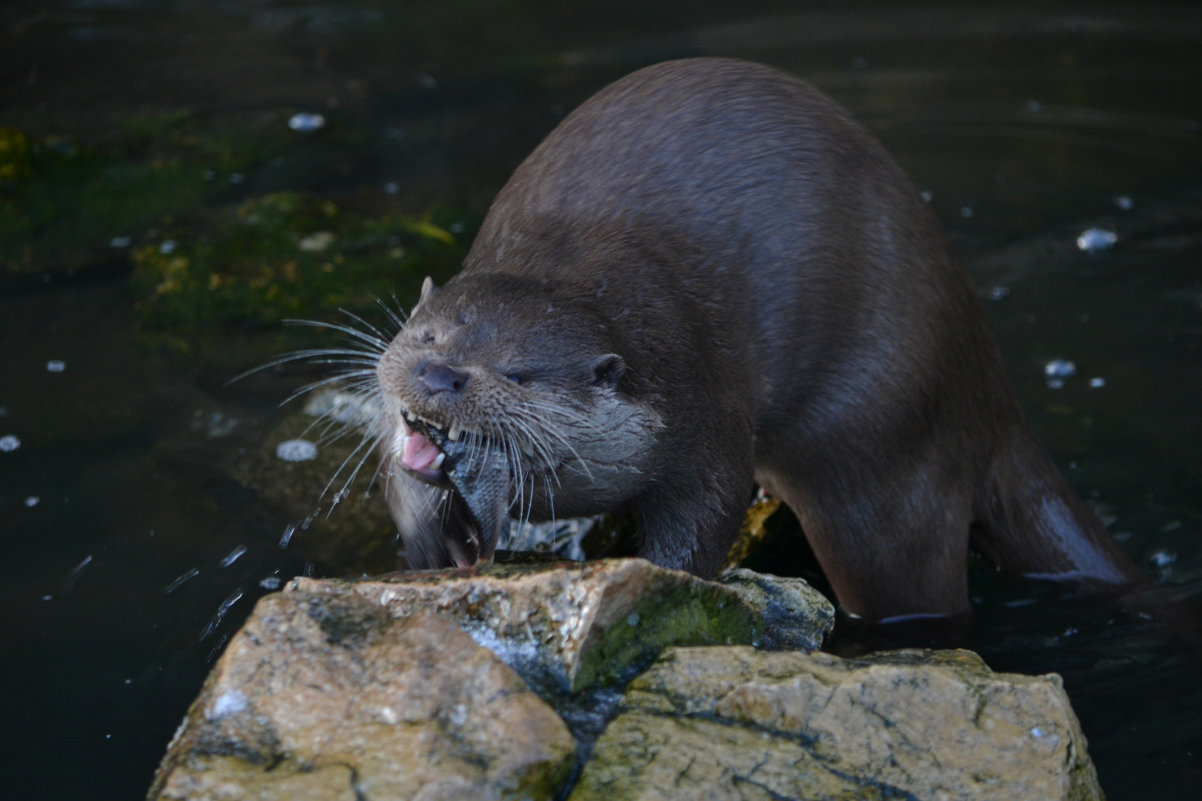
x: 889, y: 550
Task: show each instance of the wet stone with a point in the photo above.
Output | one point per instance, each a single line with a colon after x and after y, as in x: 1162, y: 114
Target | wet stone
x: 734, y: 723
x: 332, y: 697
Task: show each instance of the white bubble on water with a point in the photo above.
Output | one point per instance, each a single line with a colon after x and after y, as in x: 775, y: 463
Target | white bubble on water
x: 1094, y: 240
x: 9, y: 443
x: 1162, y: 558
x: 296, y: 450
x: 305, y: 121
x: 1057, y: 370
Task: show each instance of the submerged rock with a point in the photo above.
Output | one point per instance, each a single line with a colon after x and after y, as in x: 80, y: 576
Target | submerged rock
x: 734, y: 723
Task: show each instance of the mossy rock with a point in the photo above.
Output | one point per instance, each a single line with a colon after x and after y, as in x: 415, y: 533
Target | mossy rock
x: 285, y: 256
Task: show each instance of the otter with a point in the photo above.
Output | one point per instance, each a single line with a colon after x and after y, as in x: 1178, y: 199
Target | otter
x: 709, y: 277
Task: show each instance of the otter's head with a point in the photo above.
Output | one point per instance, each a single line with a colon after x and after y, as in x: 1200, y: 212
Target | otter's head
x: 511, y: 398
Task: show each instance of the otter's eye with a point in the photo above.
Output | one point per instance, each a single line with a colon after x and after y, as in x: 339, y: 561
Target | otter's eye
x: 516, y: 378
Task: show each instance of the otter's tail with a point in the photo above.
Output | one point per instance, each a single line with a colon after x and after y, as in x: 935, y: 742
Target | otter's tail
x: 1032, y: 523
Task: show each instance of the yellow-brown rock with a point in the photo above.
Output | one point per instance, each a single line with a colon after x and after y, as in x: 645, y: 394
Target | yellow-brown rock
x: 735, y: 723
x: 334, y: 698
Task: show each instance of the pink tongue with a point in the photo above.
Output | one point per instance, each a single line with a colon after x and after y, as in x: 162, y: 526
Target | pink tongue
x: 420, y: 454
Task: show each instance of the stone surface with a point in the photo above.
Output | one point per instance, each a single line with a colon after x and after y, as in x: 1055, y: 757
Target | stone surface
x: 569, y: 626
x: 734, y: 723
x: 795, y: 615
x: 384, y: 689
x: 332, y: 697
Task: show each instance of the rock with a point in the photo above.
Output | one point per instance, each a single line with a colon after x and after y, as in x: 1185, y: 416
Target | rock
x: 331, y: 697
x: 795, y: 615
x: 734, y: 723
x: 384, y: 689
x: 569, y: 626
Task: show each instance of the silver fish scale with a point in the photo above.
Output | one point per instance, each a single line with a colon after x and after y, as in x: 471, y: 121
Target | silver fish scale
x: 481, y: 477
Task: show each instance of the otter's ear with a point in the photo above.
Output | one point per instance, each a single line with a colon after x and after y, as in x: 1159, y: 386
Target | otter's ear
x: 608, y: 369
x: 428, y: 290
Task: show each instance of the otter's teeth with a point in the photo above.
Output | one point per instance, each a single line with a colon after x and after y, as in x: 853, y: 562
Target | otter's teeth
x: 453, y: 433
x: 437, y: 463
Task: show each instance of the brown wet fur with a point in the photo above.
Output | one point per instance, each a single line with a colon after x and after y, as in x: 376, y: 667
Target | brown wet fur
x: 784, y: 310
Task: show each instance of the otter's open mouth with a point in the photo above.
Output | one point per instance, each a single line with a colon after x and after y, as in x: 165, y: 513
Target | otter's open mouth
x: 423, y: 447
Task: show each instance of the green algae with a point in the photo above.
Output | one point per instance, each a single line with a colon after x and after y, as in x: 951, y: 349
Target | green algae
x: 286, y: 255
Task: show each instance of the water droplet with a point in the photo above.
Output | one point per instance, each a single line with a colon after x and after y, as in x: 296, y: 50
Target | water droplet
x: 179, y: 582
x: 966, y: 212
x: 72, y: 577
x: 1124, y: 202
x: 9, y: 443
x: 32, y: 501
x: 1034, y: 106
x: 219, y: 615
x: 1097, y: 382
x: 56, y: 366
x: 120, y: 242
x: 168, y: 246
x: 233, y: 556
x: 999, y: 293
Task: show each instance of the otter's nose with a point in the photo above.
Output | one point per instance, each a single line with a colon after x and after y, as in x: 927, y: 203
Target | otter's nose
x: 441, y: 378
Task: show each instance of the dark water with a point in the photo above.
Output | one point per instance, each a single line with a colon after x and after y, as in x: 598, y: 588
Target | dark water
x: 1028, y: 123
